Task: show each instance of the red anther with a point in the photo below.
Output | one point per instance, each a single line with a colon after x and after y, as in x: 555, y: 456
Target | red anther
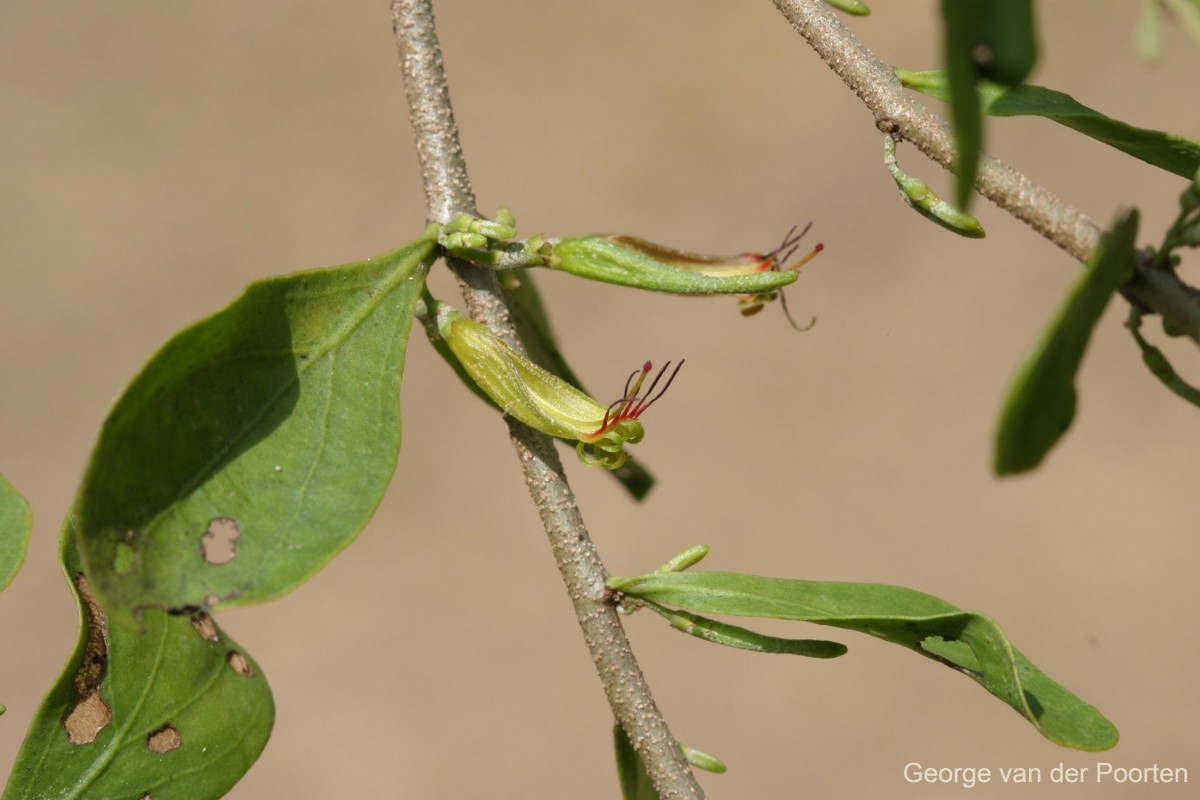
x: 632, y: 405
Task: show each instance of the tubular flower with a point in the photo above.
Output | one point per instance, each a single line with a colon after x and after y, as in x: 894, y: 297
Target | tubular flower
x: 545, y: 402
x: 756, y: 278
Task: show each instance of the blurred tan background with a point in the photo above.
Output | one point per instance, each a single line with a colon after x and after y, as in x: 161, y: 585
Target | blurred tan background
x: 156, y: 157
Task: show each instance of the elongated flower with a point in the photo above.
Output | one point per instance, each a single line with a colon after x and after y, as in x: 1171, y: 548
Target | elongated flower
x: 545, y: 402
x: 755, y: 278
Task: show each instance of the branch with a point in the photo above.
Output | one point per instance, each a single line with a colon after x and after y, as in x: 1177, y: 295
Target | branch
x: 448, y: 192
x: 1154, y: 289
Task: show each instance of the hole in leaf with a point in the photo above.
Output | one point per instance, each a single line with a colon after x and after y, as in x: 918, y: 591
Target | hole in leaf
x: 204, y: 625
x: 218, y: 545
x: 239, y: 663
x: 164, y: 740
x: 85, y: 719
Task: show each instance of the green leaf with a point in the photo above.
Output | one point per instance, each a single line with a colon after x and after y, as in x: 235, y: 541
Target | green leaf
x: 1041, y: 402
x: 256, y: 444
x: 533, y: 326
x: 710, y: 630
x: 635, y: 781
x: 961, y: 20
x: 1168, y: 151
x: 1006, y: 43
x: 172, y: 709
x: 16, y: 522
x: 967, y: 641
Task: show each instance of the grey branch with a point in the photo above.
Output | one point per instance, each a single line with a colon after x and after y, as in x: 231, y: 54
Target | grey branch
x: 1156, y: 290
x: 448, y: 192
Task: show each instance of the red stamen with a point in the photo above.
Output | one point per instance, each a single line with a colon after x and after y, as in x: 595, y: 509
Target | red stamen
x: 631, y: 405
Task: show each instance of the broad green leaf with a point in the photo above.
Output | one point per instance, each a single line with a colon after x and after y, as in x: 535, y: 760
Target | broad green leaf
x: 15, y: 524
x: 256, y: 444
x: 1168, y: 151
x: 1041, y: 402
x: 961, y: 20
x: 710, y: 630
x: 171, y: 709
x: 967, y: 641
x: 635, y: 782
x: 533, y: 326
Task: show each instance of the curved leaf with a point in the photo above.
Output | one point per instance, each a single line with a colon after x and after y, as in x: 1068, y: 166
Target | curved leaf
x: 171, y: 709
x: 16, y: 522
x: 710, y: 630
x: 1041, y: 403
x: 969, y: 642
x: 1168, y: 151
x: 256, y: 444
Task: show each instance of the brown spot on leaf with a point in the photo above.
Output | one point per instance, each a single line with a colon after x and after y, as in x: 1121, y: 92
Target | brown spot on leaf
x: 85, y: 719
x: 204, y: 625
x: 146, y: 796
x: 164, y: 740
x: 218, y: 545
x: 239, y: 663
x: 90, y: 713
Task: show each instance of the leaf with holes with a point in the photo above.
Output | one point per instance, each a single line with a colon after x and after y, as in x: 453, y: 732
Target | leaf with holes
x: 256, y: 444
x: 966, y: 641
x: 171, y: 709
x: 15, y: 525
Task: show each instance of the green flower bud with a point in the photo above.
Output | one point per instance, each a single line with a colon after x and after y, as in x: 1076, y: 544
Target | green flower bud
x: 925, y: 202
x: 855, y: 7
x: 545, y: 402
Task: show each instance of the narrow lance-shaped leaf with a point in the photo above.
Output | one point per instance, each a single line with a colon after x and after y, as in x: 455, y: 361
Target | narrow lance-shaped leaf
x: 15, y: 524
x: 710, y: 630
x: 961, y: 20
x: 168, y: 709
x: 631, y: 772
x: 969, y: 642
x: 256, y: 444
x: 1168, y: 151
x: 1041, y: 402
x: 635, y: 781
